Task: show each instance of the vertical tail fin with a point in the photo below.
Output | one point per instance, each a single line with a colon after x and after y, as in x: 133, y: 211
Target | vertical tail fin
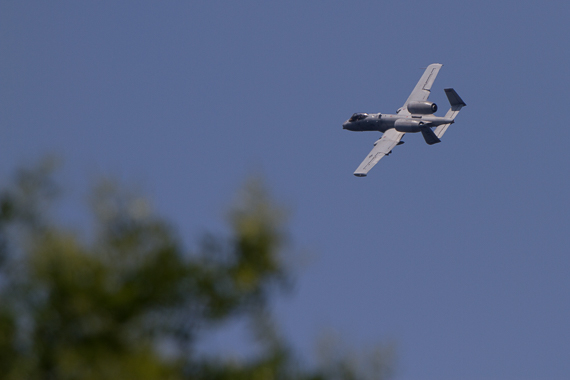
x: 456, y: 104
x: 429, y: 135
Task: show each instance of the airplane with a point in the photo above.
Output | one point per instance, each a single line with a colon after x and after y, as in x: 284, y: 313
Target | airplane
x: 416, y: 115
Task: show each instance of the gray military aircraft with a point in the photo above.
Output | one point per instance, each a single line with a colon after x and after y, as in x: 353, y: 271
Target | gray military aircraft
x: 416, y: 115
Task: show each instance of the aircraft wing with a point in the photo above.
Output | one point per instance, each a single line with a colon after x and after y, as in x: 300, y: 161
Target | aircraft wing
x: 422, y: 90
x: 382, y: 147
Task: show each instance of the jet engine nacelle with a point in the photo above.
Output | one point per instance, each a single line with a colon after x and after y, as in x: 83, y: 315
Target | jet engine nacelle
x: 422, y: 108
x: 407, y: 125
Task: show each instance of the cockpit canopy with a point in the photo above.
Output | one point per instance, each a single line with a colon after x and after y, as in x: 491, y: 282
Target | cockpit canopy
x: 358, y: 116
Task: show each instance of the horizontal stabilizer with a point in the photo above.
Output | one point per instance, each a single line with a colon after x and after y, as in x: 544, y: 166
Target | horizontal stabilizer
x: 456, y: 104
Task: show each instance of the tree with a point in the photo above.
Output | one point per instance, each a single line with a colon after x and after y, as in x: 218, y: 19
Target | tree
x: 127, y: 301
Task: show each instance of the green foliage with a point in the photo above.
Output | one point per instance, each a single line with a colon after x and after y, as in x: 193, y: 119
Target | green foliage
x: 127, y: 301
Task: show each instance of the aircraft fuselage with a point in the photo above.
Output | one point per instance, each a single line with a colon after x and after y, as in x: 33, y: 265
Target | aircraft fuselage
x: 402, y: 123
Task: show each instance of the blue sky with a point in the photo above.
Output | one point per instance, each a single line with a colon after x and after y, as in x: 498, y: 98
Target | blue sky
x: 458, y: 252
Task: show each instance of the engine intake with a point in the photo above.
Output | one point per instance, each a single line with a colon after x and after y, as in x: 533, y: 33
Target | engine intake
x: 422, y: 108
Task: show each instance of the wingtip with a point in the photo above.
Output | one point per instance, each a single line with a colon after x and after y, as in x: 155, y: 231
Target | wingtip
x: 360, y: 174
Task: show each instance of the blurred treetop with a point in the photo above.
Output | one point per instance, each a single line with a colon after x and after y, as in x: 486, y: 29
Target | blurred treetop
x: 129, y: 302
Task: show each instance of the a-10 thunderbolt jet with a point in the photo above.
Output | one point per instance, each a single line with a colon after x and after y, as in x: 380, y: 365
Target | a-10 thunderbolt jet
x: 417, y: 115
